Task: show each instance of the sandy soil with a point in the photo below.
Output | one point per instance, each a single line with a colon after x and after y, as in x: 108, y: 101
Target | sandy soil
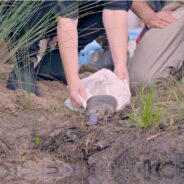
x: 43, y: 142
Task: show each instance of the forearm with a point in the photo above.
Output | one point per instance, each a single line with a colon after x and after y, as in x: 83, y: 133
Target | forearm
x: 115, y: 23
x: 142, y: 10
x: 68, y: 46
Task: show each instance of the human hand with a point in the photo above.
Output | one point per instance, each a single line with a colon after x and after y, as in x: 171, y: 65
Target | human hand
x: 160, y: 19
x: 77, y: 92
x: 122, y: 73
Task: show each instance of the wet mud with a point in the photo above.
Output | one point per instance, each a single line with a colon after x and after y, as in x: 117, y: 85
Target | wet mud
x: 43, y: 142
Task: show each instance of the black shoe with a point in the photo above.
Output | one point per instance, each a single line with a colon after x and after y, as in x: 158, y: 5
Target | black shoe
x: 24, y: 78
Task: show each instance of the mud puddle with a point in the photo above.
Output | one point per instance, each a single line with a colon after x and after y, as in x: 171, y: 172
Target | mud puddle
x: 55, y: 172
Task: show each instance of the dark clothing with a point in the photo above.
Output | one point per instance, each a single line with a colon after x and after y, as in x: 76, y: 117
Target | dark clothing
x: 90, y: 26
x: 75, y: 9
x: 157, y: 5
x: 89, y: 14
x: 51, y: 68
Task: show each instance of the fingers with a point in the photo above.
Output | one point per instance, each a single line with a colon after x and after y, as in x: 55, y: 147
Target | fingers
x: 166, y: 16
x: 122, y: 73
x: 82, y: 93
x: 164, y: 19
x: 161, y: 24
x: 75, y: 99
x: 170, y: 14
x: 77, y: 94
x: 161, y: 20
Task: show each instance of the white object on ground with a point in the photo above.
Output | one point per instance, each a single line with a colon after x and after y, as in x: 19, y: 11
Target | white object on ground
x: 104, y: 82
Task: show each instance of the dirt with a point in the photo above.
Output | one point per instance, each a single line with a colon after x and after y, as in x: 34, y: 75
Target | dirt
x: 43, y: 142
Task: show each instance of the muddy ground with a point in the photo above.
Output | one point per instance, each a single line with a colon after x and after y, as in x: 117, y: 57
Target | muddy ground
x: 43, y: 142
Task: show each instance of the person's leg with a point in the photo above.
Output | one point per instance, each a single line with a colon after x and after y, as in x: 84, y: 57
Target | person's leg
x: 158, y: 54
x: 23, y: 75
x: 51, y: 68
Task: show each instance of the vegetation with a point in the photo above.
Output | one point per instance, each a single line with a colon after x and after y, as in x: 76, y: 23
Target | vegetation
x: 16, y: 34
x: 146, y: 115
x: 158, y: 104
x: 14, y: 18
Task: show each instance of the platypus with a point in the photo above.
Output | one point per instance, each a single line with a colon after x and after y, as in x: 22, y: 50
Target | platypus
x: 99, y: 107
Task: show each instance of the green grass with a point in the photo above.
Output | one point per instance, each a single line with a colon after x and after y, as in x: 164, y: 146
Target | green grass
x: 15, y: 18
x: 146, y: 114
x: 25, y: 100
x: 37, y: 140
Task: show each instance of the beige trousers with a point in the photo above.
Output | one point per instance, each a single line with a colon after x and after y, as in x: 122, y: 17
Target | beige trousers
x: 158, y: 54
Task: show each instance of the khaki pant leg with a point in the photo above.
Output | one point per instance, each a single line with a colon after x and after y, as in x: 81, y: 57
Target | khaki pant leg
x: 159, y: 51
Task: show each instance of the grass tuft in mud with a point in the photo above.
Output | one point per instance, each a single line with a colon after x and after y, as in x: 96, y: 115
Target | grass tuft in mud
x: 147, y: 114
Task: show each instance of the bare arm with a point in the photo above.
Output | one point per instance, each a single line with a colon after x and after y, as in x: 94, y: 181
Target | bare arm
x: 68, y: 46
x: 115, y: 23
x: 142, y: 10
x: 151, y: 18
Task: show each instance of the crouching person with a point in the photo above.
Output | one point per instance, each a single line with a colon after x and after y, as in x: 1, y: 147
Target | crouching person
x: 79, y: 23
x: 114, y: 17
x: 160, y: 52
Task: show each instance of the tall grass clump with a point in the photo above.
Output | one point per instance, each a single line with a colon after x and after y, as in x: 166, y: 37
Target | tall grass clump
x: 146, y: 114
x: 17, y: 35
x: 14, y: 17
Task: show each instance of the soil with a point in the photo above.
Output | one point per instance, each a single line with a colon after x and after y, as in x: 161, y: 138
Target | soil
x: 43, y: 142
